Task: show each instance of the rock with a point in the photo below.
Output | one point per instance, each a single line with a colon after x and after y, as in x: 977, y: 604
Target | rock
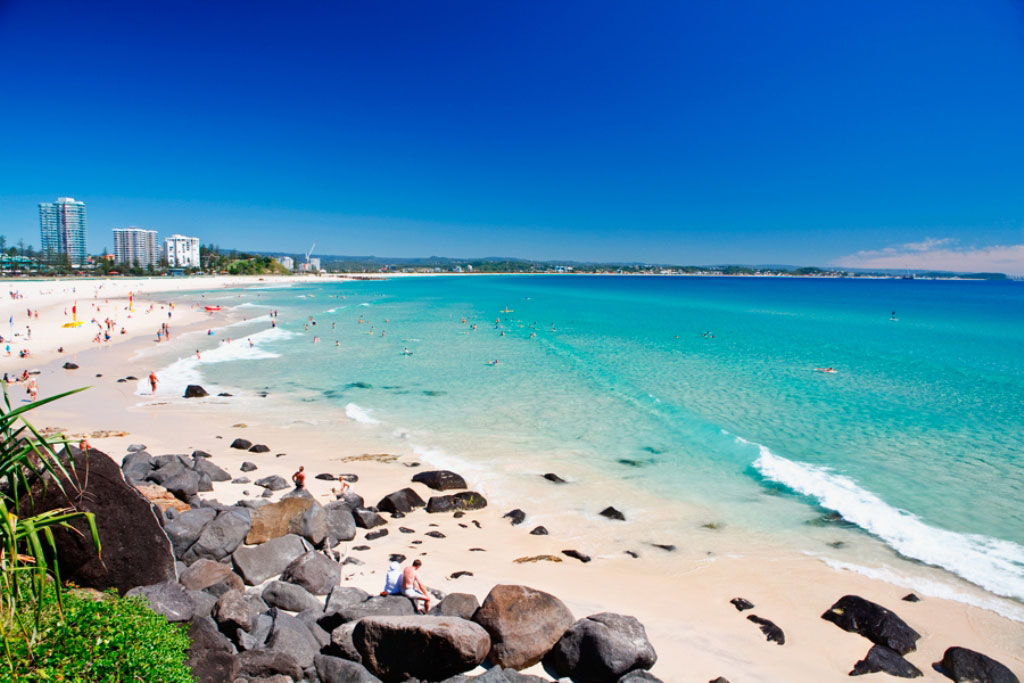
x: 433, y: 648
x: 202, y: 465
x: 374, y: 535
x: 874, y: 622
x: 266, y: 663
x: 259, y: 448
x: 368, y: 519
x: 462, y: 605
x: 132, y: 448
x: 667, y: 547
x: 220, y: 537
x: 535, y: 558
x: 205, y: 573
x: 314, y: 571
x: 440, y: 480
x: 136, y: 466
x: 910, y: 597
x: 772, y: 632
x: 458, y: 575
x: 353, y: 500
x: 161, y: 498
x: 291, y: 597
x: 641, y: 676
x: 539, y: 531
x: 576, y: 554
x: 400, y: 501
x: 435, y: 534
x: 302, y: 516
x: 247, y: 466
x: 241, y: 444
x: 205, y: 483
x: 552, y: 477
x: 741, y: 604
x: 524, y: 624
x: 291, y: 636
x: 342, y: 645
x: 240, y: 480
x: 210, y: 655
x: 612, y: 513
x: 202, y: 603
x: 184, y: 529
x: 200, y: 454
x: 464, y: 500
x: 234, y: 611
x: 337, y: 670
x: 881, y: 658
x: 267, y: 493
x: 204, y: 635
x: 341, y: 598
x: 299, y: 493
x: 167, y: 598
x: 272, y: 483
x: 183, y: 485
x: 517, y: 516
x: 341, y: 525
x: 258, y: 563
x: 968, y: 666
x: 256, y: 637
x: 127, y: 525
x: 601, y: 647
x: 195, y: 391
x: 377, y: 606
x: 70, y: 366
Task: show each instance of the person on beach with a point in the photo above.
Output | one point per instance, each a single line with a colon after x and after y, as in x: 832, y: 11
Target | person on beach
x: 413, y: 588
x: 152, y: 381
x: 299, y: 478
x: 393, y: 580
x: 32, y: 389
x: 344, y: 487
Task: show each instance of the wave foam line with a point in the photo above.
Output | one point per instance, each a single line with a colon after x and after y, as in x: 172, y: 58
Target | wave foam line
x: 359, y: 414
x: 994, y: 564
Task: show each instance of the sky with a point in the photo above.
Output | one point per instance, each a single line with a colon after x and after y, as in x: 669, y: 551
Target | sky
x: 806, y: 133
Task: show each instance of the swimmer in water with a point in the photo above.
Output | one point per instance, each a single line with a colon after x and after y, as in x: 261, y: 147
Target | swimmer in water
x: 251, y: 344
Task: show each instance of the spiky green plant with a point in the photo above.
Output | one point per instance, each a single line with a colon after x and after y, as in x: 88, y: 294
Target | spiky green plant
x: 27, y: 545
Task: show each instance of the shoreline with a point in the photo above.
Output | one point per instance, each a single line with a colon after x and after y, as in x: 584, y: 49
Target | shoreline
x: 696, y: 632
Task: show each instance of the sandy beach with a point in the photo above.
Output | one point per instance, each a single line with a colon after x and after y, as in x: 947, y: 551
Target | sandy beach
x: 681, y: 597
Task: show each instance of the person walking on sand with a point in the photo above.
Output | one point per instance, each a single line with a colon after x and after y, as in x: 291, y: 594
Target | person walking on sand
x: 299, y: 478
x: 32, y: 389
x: 413, y: 588
x: 152, y: 381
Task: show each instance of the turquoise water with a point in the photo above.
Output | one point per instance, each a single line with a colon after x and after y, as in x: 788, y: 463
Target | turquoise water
x: 918, y: 438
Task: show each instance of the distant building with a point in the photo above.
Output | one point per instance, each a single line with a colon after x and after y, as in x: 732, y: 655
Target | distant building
x: 287, y: 261
x: 310, y: 265
x: 136, y: 247
x: 181, y: 251
x: 62, y: 230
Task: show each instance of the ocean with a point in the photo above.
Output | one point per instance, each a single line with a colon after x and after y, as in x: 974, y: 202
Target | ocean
x: 693, y: 404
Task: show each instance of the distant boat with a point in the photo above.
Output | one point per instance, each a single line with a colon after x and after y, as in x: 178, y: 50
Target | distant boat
x: 507, y: 310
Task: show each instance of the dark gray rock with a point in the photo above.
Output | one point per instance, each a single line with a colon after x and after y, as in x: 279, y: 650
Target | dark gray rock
x: 432, y: 648
x: 881, y: 658
x: 516, y: 516
x: 241, y: 444
x: 272, y: 483
x: 403, y: 501
x: 462, y: 605
x: 314, y: 571
x: 291, y: 597
x: 240, y: 480
x: 195, y: 391
x: 204, y: 466
x: 204, y: 635
x: 248, y: 466
x: 183, y: 485
x: 204, y: 573
x: 211, y: 655
x: 202, y: 603
x: 293, y: 637
x: 266, y: 663
x: 374, y: 535
x: 440, y: 480
x: 184, y: 529
x: 968, y: 666
x: 353, y: 500
x: 256, y: 637
x: 641, y: 676
x: 461, y: 501
x: 205, y: 483
x: 770, y: 630
x: 539, y: 531
x: 234, y: 611
x: 258, y: 563
x: 136, y: 447
x: 167, y: 598
x: 200, y: 454
x: 341, y: 525
x: 554, y: 478
x: 259, y: 448
x: 524, y: 624
x: 910, y: 597
x: 576, y: 554
x: 220, y: 537
x: 391, y: 605
x: 368, y: 519
x: 602, y: 647
x: 137, y: 466
x: 310, y: 617
x: 741, y: 604
x: 882, y: 627
x: 342, y: 644
x: 337, y: 670
x: 70, y: 366
x: 612, y: 513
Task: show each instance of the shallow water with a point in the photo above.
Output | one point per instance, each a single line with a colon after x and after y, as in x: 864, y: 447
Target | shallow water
x: 701, y: 391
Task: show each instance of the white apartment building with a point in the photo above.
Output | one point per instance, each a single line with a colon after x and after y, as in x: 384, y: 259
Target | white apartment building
x: 136, y: 247
x: 287, y: 261
x: 182, y: 252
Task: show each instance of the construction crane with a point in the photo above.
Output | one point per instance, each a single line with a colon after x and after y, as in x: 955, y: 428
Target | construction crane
x: 310, y: 252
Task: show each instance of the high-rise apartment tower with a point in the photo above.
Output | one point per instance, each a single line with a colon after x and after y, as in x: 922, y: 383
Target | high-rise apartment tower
x: 62, y: 230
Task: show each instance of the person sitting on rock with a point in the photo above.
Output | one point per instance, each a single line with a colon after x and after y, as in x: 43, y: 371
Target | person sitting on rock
x: 299, y: 478
x: 393, y: 579
x: 414, y: 589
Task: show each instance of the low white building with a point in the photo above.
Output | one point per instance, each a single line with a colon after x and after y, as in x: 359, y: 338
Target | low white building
x: 182, y: 252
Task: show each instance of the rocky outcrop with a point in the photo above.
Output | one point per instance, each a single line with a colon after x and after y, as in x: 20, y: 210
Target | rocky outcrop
x: 881, y: 658
x: 403, y: 501
x: 378, y: 606
x: 523, y: 623
x: 440, y: 480
x: 205, y: 573
x: 882, y: 627
x: 265, y: 664
x: 462, y: 605
x: 968, y: 666
x: 601, y: 648
x: 462, y: 501
x: 221, y: 537
x: 368, y: 519
x: 291, y: 597
x: 202, y: 465
x: 258, y: 563
x: 337, y: 670
x: 210, y: 655
x: 302, y: 516
x: 195, y: 391
x: 291, y: 636
x: 128, y: 528
x: 167, y: 598
x: 314, y: 571
x: 341, y: 525
x: 431, y: 648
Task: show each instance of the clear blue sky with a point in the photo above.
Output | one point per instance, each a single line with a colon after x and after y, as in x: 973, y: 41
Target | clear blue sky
x: 745, y: 132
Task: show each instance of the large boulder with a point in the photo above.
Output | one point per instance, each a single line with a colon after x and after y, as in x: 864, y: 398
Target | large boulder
x: 161, y: 499
x: 342, y: 644
x: 266, y: 663
x: 183, y: 485
x: 272, y: 483
x: 202, y: 465
x: 601, y: 648
x: 167, y: 467
x: 881, y: 658
x: 235, y: 609
x: 882, y: 627
x: 258, y: 563
x: 302, y: 516
x: 184, y: 529
x: 210, y: 655
x: 524, y: 624
x: 463, y: 500
x: 368, y: 519
x: 195, y: 391
x: 290, y: 597
x: 205, y: 573
x: 462, y: 605
x: 341, y: 525
x: 377, y: 606
x: 440, y: 480
x: 432, y: 648
x: 167, y: 598
x: 290, y: 635
x: 135, y: 551
x: 137, y: 466
x: 220, y: 537
x: 336, y: 670
x: 314, y: 571
x: 241, y: 444
x: 968, y: 666
x: 403, y: 501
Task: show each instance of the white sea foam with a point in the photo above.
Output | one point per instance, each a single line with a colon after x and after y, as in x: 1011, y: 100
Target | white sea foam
x: 251, y: 305
x: 175, y: 377
x: 359, y: 414
x: 365, y: 304
x: 994, y: 564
